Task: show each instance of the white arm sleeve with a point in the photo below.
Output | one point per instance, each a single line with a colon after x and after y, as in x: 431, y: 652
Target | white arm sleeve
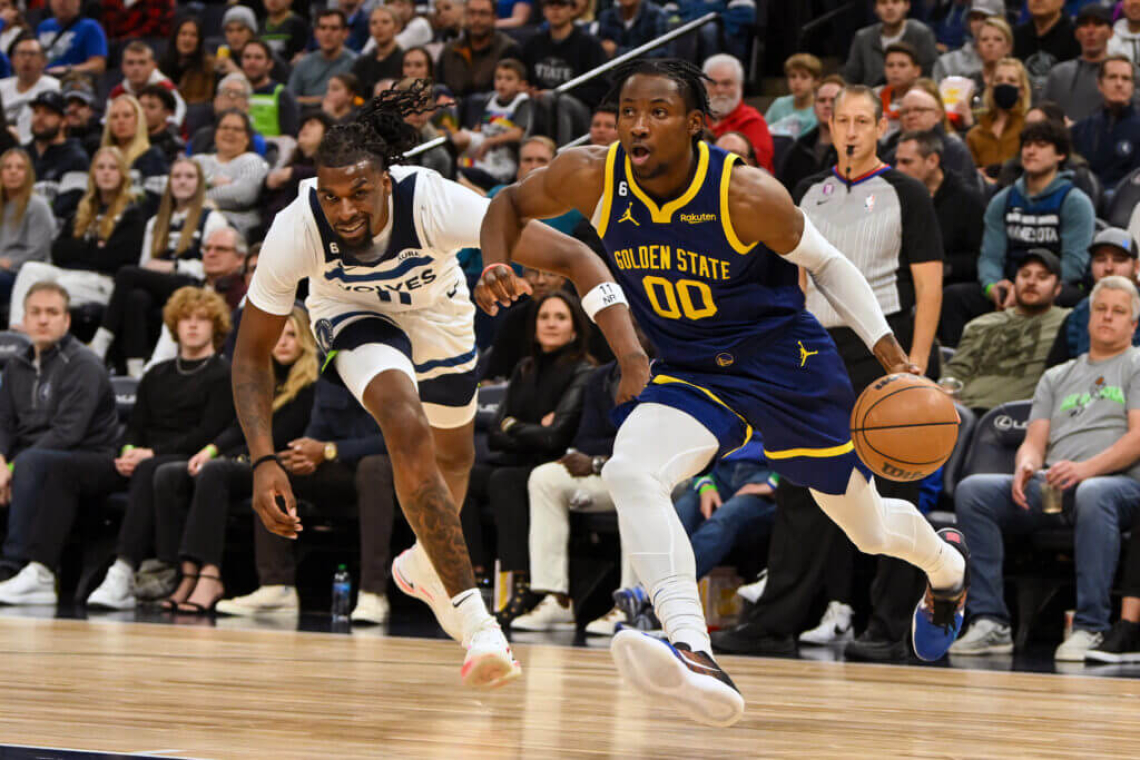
x: 287, y: 256
x: 841, y: 283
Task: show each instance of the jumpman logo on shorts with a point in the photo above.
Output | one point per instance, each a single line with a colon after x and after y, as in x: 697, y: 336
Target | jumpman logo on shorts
x: 804, y: 353
x: 628, y: 216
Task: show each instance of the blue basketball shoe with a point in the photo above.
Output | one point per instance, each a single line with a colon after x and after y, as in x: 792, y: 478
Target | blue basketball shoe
x: 938, y: 616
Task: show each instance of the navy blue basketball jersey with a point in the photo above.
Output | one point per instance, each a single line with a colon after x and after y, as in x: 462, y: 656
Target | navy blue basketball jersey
x: 694, y: 287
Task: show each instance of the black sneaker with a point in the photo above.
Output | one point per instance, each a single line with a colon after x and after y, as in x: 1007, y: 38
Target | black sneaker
x: 1121, y: 644
x: 749, y: 638
x: 872, y: 647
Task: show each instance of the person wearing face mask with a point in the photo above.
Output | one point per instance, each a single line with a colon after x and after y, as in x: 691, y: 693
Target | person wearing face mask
x: 994, y: 139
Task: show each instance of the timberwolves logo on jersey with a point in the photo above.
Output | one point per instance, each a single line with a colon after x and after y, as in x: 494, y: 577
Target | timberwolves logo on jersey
x: 323, y: 331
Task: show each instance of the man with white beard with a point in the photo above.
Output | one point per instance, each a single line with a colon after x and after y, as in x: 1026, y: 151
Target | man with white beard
x: 730, y: 112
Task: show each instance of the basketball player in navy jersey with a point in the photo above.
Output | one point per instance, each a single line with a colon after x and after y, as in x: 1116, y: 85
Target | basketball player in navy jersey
x: 706, y: 251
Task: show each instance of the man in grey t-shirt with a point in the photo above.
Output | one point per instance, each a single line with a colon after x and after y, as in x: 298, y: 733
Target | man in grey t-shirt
x: 1084, y: 429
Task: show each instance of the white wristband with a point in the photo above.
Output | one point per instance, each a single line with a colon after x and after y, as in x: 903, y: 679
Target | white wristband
x: 602, y: 296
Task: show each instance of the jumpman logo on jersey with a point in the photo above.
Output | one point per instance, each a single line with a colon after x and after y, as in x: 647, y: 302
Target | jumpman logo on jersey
x: 628, y: 216
x: 804, y: 353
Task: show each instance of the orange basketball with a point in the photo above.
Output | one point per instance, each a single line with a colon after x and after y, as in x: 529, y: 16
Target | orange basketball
x: 904, y: 427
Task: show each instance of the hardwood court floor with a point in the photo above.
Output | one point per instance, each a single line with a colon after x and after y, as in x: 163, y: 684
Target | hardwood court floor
x: 206, y: 692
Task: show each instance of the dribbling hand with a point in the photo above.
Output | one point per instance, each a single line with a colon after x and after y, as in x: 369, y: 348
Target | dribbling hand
x: 499, y: 286
x: 270, y: 483
x: 893, y: 359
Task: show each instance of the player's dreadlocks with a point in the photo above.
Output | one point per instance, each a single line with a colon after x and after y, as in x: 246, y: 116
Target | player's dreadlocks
x: 689, y: 78
x: 378, y: 132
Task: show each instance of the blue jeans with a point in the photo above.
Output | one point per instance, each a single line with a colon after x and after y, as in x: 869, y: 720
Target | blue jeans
x: 1103, y: 507
x: 740, y: 520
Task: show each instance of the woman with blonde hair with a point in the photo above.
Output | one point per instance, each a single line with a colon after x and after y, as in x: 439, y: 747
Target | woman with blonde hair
x: 103, y: 235
x: 171, y: 258
x: 996, y: 137
x: 218, y: 478
x: 27, y: 225
x: 126, y: 130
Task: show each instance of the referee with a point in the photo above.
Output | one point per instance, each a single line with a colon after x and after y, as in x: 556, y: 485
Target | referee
x: 884, y: 221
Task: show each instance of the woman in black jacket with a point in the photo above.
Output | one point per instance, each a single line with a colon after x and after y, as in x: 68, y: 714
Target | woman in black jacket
x: 194, y: 497
x: 535, y: 423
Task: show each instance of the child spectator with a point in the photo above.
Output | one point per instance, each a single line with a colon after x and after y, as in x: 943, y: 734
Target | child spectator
x: 489, y: 152
x: 417, y: 64
x: 342, y: 97
x: 158, y: 108
x: 793, y: 115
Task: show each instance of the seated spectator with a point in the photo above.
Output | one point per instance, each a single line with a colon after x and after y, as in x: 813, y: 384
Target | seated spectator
x: 239, y: 25
x: 282, y: 183
x: 535, y: 423
x: 793, y: 115
x: 438, y: 158
x: 1084, y: 429
x: 104, y: 234
x: 571, y: 484
x: 26, y: 222
x: 17, y: 92
x: 342, y: 98
x: 387, y: 59
x: 557, y: 53
x: 187, y: 63
x: 180, y: 407
x: 285, y: 31
x: 467, y: 64
x: 737, y: 142
x: 1113, y: 252
x: 126, y: 129
x: 960, y: 210
x: 965, y: 60
x: 1122, y: 642
x: 417, y: 64
x: 158, y: 105
x: 234, y: 173
x: 13, y: 27
x: 234, y: 92
x: 356, y: 19
x: 1110, y: 137
x: 512, y: 14
x: 59, y: 161
x: 1045, y: 40
x: 132, y: 19
x: 1075, y: 84
x: 82, y: 48
x: 730, y: 507
x: 488, y: 152
x: 921, y: 110
x: 901, y: 69
x: 81, y: 121
x: 1083, y: 177
x: 1043, y: 209
x: 628, y: 24
x: 415, y: 31
x: 446, y: 23
x: 140, y: 70
x: 171, y: 258
x: 865, y: 61
x: 729, y: 111
x: 55, y: 397
x: 1126, y: 32
x: 995, y: 44
x: 311, y: 75
x: 813, y: 151
x: 1001, y: 356
x: 193, y: 498
x: 603, y: 125
x: 339, y: 462
x: 995, y: 138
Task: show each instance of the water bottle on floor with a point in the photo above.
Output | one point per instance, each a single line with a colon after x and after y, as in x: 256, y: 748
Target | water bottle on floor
x: 341, y: 595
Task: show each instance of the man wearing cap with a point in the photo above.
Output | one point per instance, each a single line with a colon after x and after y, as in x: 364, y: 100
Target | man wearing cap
x: 1113, y: 251
x: 965, y: 61
x: 1002, y: 355
x: 60, y: 162
x: 1110, y: 137
x: 1073, y: 84
x: 81, y: 120
x: 72, y: 43
x: 18, y: 91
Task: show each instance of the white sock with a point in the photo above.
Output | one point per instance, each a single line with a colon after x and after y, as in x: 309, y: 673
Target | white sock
x: 656, y: 447
x: 893, y: 527
x: 136, y: 367
x: 472, y: 611
x: 102, y: 342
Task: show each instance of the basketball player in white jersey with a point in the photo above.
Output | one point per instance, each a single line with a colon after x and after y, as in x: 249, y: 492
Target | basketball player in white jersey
x: 391, y: 312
